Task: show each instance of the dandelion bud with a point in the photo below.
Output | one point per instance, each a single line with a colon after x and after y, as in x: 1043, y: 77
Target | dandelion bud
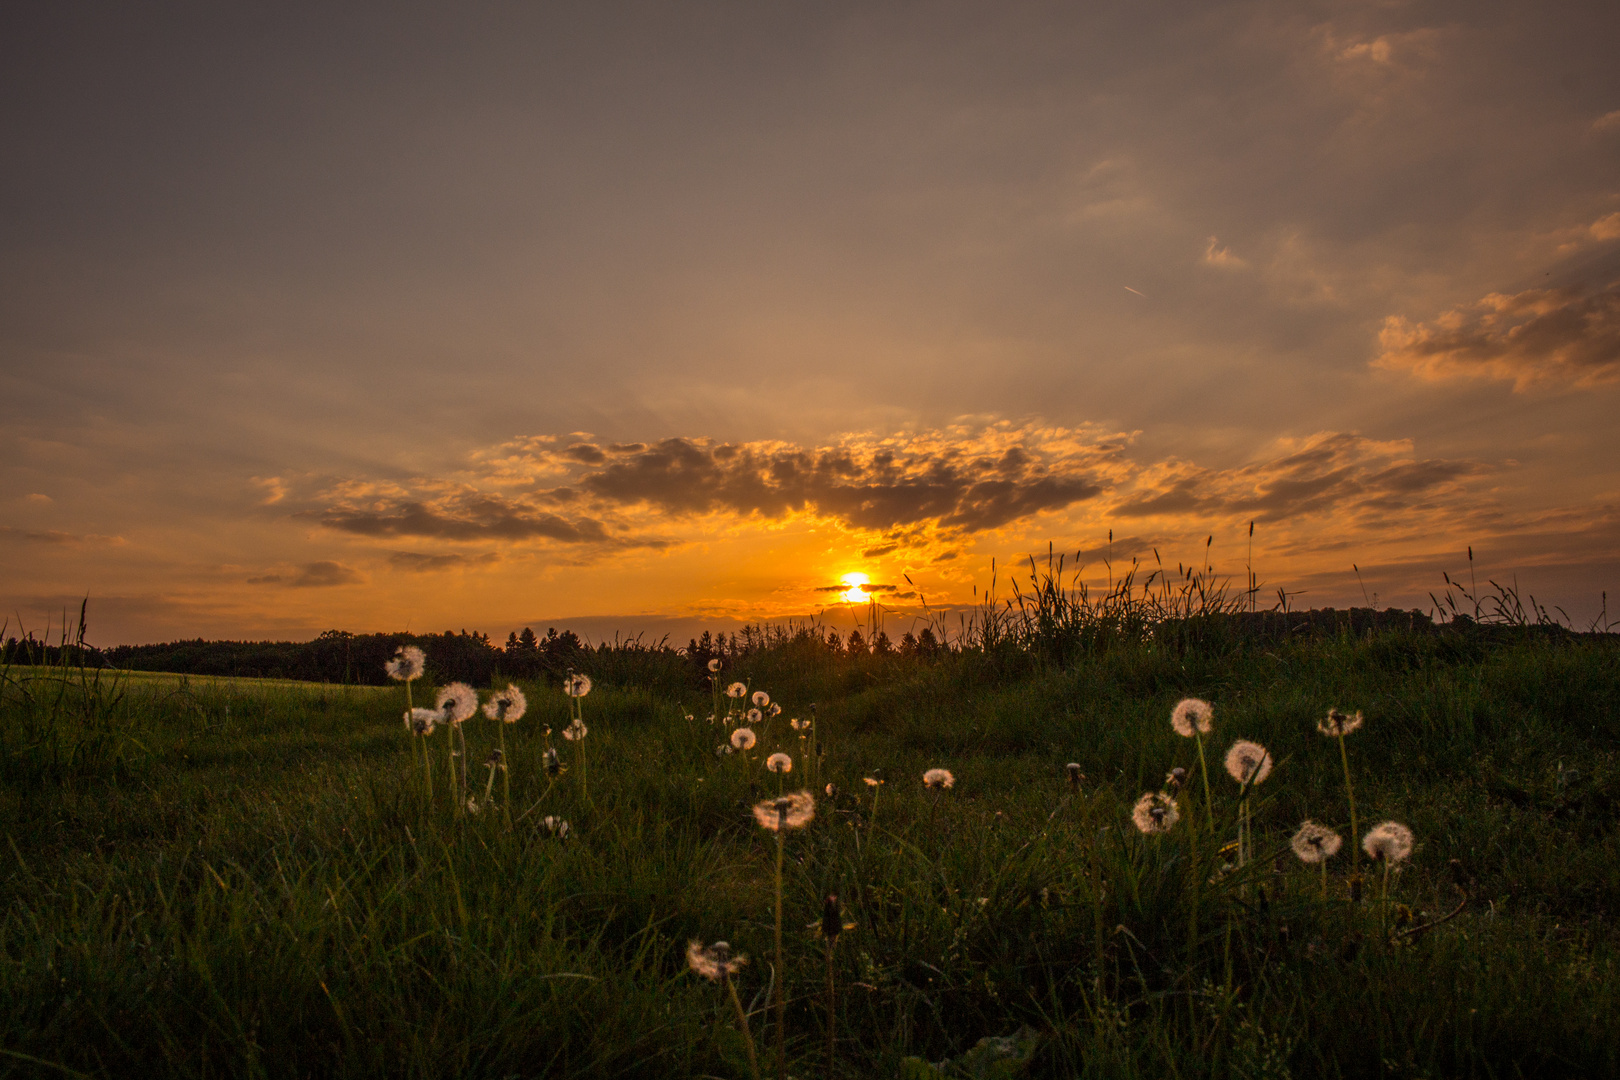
x: 554, y: 765
x: 1075, y: 775
x: 496, y: 760
x: 832, y: 918
x: 832, y: 791
x: 1174, y: 779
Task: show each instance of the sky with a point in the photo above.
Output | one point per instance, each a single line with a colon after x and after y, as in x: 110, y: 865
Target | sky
x: 642, y: 318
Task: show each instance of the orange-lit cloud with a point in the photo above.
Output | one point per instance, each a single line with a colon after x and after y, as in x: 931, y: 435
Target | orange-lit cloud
x: 1568, y: 335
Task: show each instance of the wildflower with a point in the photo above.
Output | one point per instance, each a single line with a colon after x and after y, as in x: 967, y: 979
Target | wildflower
x: 938, y: 779
x: 1155, y: 813
x: 743, y: 738
x: 1390, y: 841
x: 1338, y: 724
x: 779, y: 762
x: 407, y: 664
x: 1075, y: 776
x: 1174, y: 779
x: 1248, y: 762
x: 714, y: 962
x: 508, y: 706
x: 761, y: 698
x: 792, y: 811
x: 755, y: 716
x: 736, y: 690
x: 556, y: 826
x: 575, y: 731
x: 1192, y: 716
x: 1315, y: 843
x: 422, y: 721
x: 554, y: 765
x: 714, y: 665
x: 456, y: 702
x: 577, y: 685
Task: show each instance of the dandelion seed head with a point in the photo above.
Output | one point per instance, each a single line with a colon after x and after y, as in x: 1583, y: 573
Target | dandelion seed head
x: 472, y: 805
x: 1248, y: 762
x: 1337, y: 724
x: 779, y: 762
x: 799, y: 725
x: 1174, y: 779
x: 755, y: 716
x: 1075, y: 776
x: 743, y: 738
x: 575, y: 731
x: 1155, y: 813
x: 1192, y: 716
x: 554, y: 765
x: 456, y: 702
x: 1315, y: 843
x: 792, y: 811
x: 736, y: 690
x: 714, y: 665
x: 871, y: 781
x: 832, y: 791
x: 722, y: 750
x: 508, y: 706
x: 761, y: 698
x: 408, y: 664
x: 774, y: 709
x: 577, y: 685
x: 938, y: 779
x: 714, y: 962
x: 556, y: 826
x: 1388, y: 841
x: 422, y: 721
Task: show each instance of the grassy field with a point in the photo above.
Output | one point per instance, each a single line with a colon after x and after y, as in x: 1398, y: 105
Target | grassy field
x: 216, y: 878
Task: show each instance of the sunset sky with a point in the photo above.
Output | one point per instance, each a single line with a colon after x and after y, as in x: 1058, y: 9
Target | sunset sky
x: 649, y: 317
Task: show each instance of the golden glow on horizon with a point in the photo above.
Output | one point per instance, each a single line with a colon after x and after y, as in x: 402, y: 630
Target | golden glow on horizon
x: 855, y: 592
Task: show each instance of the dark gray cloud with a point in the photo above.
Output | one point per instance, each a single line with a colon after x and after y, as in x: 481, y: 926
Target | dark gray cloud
x: 57, y: 537
x: 868, y: 488
x: 475, y: 518
x: 423, y: 562
x: 315, y: 575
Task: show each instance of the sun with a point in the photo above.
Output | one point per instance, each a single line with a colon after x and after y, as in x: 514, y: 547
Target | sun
x: 855, y: 591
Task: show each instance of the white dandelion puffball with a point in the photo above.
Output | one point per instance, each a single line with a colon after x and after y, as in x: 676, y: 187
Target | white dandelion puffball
x: 755, y: 716
x: 736, y: 689
x: 1155, y: 812
x: 575, y: 731
x: 422, y: 721
x: 779, y: 762
x: 714, y: 665
x: 1315, y: 843
x: 1248, y: 762
x: 938, y: 779
x: 407, y: 664
x: 714, y: 962
x: 1192, y: 716
x: 1337, y: 724
x: 761, y: 698
x: 800, y: 725
x: 509, y: 705
x: 775, y: 709
x: 577, y: 685
x: 792, y: 811
x: 456, y: 702
x: 556, y: 826
x: 743, y: 738
x: 1389, y: 841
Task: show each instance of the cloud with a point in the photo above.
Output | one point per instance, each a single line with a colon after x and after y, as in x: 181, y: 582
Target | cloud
x: 1354, y: 478
x: 315, y: 575
x: 1606, y: 228
x: 420, y: 562
x: 274, y: 489
x: 1568, y: 335
x: 1222, y: 257
x: 36, y: 497
x: 1609, y: 121
x: 474, y: 516
x: 59, y: 538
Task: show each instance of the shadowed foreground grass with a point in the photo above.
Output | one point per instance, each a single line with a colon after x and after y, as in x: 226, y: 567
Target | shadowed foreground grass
x: 217, y: 879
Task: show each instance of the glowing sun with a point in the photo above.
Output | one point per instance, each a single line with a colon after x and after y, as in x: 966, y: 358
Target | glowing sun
x: 855, y: 592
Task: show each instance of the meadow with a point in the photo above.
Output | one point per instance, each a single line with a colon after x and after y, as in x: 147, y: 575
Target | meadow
x: 218, y: 878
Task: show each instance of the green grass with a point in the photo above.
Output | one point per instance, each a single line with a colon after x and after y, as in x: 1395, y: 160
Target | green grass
x: 211, y: 878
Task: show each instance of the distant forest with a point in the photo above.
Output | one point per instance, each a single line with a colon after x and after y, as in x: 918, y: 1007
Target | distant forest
x: 341, y: 657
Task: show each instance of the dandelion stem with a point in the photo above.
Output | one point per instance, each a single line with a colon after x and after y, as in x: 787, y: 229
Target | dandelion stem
x: 1349, y: 794
x: 506, y: 780
x: 742, y: 1021
x: 1203, y: 771
x: 781, y: 968
x: 832, y: 1010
